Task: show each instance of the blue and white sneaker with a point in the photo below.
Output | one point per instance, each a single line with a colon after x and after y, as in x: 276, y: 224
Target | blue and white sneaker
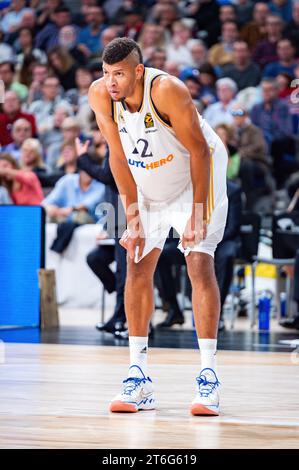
x: 137, y: 394
x: 206, y: 401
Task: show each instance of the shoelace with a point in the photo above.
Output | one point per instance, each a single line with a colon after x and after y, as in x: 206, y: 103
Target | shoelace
x: 206, y: 387
x: 131, y: 383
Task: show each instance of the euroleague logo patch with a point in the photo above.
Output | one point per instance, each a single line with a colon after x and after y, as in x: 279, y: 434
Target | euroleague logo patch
x: 148, y: 121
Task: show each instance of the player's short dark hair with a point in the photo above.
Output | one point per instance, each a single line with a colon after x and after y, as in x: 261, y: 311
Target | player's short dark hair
x: 118, y: 49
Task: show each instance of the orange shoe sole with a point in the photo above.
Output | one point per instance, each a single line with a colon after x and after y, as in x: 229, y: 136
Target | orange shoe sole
x: 120, y: 407
x: 201, y: 410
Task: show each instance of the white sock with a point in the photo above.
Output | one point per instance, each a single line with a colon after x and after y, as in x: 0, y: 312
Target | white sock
x: 138, y: 355
x: 208, y: 349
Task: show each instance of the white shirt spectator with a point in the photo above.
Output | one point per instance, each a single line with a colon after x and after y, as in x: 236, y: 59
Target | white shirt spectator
x: 218, y: 113
x: 13, y: 18
x: 44, y: 112
x: 180, y: 54
x: 6, y: 53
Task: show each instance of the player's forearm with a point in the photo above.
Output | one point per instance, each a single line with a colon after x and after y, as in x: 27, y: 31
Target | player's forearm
x: 200, y: 175
x: 126, y: 186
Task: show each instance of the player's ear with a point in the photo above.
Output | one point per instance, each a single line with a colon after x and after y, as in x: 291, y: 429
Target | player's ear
x: 139, y: 71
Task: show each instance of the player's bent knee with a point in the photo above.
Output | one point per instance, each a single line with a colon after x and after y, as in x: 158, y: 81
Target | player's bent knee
x: 200, y: 267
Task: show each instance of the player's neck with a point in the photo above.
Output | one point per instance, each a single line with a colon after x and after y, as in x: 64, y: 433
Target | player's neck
x: 133, y: 102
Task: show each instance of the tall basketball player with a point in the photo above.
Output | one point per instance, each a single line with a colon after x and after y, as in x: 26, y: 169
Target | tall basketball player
x: 170, y: 166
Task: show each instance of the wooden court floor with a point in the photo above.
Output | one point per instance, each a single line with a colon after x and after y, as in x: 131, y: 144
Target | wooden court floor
x: 56, y: 396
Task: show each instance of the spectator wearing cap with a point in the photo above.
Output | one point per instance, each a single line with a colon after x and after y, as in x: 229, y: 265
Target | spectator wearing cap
x: 220, y: 112
x: 286, y: 60
x: 222, y: 53
x: 243, y: 71
x: 70, y: 130
x: 89, y: 38
x: 265, y: 51
x: 7, y: 75
x: 291, y: 30
x: 44, y: 109
x: 48, y: 37
x: 12, y: 20
x: 68, y: 40
x: 23, y: 186
x: 21, y: 130
x: 11, y: 113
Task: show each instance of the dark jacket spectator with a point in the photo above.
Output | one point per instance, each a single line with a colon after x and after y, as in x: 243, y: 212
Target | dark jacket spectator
x: 255, y: 31
x: 286, y: 60
x: 243, y: 71
x: 64, y: 66
x: 272, y: 115
x: 265, y: 51
x: 291, y: 30
x: 49, y: 35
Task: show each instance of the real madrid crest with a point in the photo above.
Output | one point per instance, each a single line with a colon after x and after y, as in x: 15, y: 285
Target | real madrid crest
x: 148, y: 120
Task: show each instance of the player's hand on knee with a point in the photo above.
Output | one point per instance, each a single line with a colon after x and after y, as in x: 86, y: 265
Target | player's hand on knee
x: 194, y: 234
x: 134, y: 244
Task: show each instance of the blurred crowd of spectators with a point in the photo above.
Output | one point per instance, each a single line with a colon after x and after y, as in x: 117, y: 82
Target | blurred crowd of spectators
x: 239, y: 59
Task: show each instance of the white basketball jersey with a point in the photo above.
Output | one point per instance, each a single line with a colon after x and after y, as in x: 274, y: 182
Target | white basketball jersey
x: 159, y: 163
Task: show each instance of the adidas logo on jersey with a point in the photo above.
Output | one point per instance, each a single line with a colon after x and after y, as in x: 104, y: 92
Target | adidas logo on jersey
x: 123, y: 129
